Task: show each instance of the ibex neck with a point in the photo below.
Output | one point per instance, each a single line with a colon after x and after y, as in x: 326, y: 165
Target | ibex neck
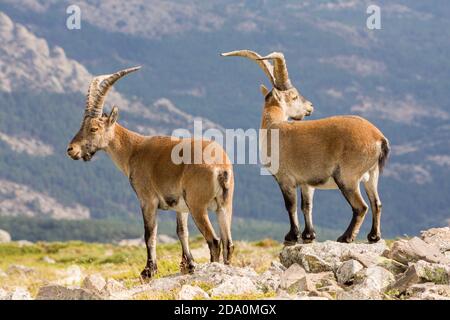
x: 122, y: 147
x: 272, y: 114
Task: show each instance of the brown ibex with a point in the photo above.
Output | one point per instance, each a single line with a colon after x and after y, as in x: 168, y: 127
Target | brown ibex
x: 158, y: 182
x: 336, y: 152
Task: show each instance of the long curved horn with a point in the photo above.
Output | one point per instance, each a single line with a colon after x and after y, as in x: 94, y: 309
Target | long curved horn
x: 280, y: 70
x: 265, y: 66
x: 99, y: 88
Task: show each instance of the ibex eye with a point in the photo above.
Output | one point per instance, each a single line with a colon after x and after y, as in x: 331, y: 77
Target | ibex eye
x: 94, y: 129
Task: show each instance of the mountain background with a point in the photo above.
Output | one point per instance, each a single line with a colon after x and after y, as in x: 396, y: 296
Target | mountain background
x: 397, y: 77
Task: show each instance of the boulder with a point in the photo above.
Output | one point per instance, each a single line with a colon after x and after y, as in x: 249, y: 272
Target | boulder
x: 114, y: 288
x: 164, y: 239
x: 370, y: 284
x: 72, y: 275
x: 438, y: 237
x: 48, y: 260
x: 415, y: 249
x: 24, y: 243
x: 235, y: 285
x: 216, y: 273
x: 5, y: 237
x: 428, y: 291
x: 94, y: 282
x: 420, y: 272
x: 329, y: 255
x: 188, y: 292
x: 164, y: 284
x: 346, y: 272
x: 18, y: 293
x: 58, y: 292
x: 3, y: 294
x: 270, y: 280
x: 292, y: 274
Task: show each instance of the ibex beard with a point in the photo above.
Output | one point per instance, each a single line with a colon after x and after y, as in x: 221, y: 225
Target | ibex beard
x: 158, y: 182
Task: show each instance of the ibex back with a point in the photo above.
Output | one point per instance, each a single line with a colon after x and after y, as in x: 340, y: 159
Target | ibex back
x: 158, y: 182
x: 336, y: 152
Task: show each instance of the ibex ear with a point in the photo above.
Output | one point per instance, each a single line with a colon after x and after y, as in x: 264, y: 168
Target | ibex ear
x: 264, y: 90
x: 113, y: 115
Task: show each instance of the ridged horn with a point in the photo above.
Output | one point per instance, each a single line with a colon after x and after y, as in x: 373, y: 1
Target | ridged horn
x: 99, y: 88
x: 282, y: 81
x: 265, y: 66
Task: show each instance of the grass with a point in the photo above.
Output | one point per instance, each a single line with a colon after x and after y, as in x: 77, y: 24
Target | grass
x: 120, y: 263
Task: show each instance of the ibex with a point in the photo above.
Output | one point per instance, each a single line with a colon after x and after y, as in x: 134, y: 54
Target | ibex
x: 158, y: 182
x: 336, y: 152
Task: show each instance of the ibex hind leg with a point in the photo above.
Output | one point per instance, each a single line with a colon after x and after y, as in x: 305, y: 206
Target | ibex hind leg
x: 352, y: 194
x: 371, y: 187
x: 203, y: 223
x: 187, y: 264
x: 224, y: 219
x: 151, y: 227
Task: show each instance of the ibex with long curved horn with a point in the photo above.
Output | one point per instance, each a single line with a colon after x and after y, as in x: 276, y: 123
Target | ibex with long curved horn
x: 336, y: 152
x: 158, y: 181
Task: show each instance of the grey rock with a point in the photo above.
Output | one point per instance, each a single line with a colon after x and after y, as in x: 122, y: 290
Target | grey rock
x: 270, y: 280
x: 114, y: 288
x: 71, y: 276
x: 5, y: 237
x: 235, y: 285
x: 346, y: 272
x: 415, y: 249
x: 163, y: 238
x: 94, y: 282
x: 188, y: 292
x: 164, y: 284
x: 48, y: 260
x: 3, y: 294
x: 328, y: 255
x: 420, y: 272
x: 428, y: 291
x: 438, y: 237
x: 58, y: 292
x: 292, y: 274
x: 18, y: 293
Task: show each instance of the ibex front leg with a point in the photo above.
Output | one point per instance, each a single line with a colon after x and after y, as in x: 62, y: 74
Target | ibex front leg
x: 308, y: 234
x: 289, y: 191
x: 149, y: 210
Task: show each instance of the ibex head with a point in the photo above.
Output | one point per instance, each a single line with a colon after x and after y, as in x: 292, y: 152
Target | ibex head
x: 97, y: 128
x: 283, y: 94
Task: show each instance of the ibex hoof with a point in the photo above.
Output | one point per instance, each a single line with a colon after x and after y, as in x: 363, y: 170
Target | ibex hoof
x: 291, y: 238
x: 148, y: 273
x: 308, y: 237
x: 345, y: 239
x: 186, y: 267
x: 373, y: 237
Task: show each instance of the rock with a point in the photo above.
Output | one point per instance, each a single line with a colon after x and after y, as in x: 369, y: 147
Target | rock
x: 370, y: 284
x: 270, y: 280
x: 20, y: 294
x: 164, y: 284
x: 328, y: 255
x: 235, y: 285
x: 393, y: 266
x: 19, y: 269
x: 415, y: 249
x: 292, y: 274
x: 188, y: 292
x: 163, y: 238
x: 216, y: 273
x: 346, y: 272
x: 303, y: 284
x: 24, y: 243
x: 94, y: 282
x: 5, y: 237
x: 58, y: 292
x: 48, y: 260
x: 3, y: 294
x: 428, y: 291
x: 114, y: 288
x: 73, y: 275
x: 420, y: 272
x: 438, y: 237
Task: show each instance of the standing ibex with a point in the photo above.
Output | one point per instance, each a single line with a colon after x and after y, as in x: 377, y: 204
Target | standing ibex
x: 158, y: 182
x: 336, y: 152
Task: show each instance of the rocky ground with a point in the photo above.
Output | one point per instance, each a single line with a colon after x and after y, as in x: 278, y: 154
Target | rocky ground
x: 413, y: 268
